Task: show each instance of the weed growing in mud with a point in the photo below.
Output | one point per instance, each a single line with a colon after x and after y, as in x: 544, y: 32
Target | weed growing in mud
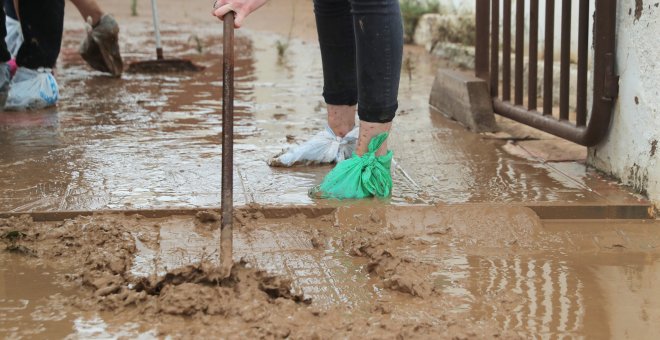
x: 411, y: 11
x: 409, y: 67
x: 198, y: 43
x: 134, y: 12
x: 283, y: 46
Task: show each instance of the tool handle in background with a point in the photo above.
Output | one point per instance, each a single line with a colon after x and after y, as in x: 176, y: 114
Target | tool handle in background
x: 226, y: 237
x: 159, y: 46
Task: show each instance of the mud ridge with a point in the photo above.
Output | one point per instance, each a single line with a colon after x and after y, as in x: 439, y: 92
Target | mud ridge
x: 396, y: 272
x: 97, y: 253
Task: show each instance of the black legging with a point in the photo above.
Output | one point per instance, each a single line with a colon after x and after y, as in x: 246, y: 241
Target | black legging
x: 361, y: 49
x: 42, y: 25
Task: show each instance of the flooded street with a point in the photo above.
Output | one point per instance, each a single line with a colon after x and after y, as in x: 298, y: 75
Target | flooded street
x: 153, y: 141
x: 475, y: 242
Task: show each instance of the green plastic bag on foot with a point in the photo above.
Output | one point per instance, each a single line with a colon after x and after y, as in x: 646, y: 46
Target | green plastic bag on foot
x: 359, y: 177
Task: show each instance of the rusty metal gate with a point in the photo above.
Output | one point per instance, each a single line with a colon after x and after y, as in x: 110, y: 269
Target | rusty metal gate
x: 560, y: 119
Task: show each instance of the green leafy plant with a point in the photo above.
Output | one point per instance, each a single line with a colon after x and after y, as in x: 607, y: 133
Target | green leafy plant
x: 283, y: 45
x: 134, y: 8
x: 411, y: 11
x: 409, y: 67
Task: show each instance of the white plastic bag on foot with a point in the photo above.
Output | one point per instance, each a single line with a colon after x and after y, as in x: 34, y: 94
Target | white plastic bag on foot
x: 324, y: 147
x: 32, y: 90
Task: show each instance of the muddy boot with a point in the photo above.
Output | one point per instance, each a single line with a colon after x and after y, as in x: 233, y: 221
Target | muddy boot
x: 32, y: 89
x: 324, y: 148
x: 4, y: 84
x: 100, y: 48
x: 360, y: 176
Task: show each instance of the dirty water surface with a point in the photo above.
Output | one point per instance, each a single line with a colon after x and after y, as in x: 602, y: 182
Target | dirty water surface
x: 363, y: 271
x: 153, y: 140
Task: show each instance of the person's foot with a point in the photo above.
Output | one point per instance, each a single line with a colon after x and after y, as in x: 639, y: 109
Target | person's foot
x: 5, y: 79
x: 324, y: 148
x: 100, y: 48
x: 360, y: 176
x: 32, y: 89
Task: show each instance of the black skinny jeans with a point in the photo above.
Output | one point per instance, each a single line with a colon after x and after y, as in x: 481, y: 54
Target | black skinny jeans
x: 42, y: 22
x: 361, y: 49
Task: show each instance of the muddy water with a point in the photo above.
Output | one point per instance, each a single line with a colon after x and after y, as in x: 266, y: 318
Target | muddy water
x: 152, y: 141
x: 32, y: 305
x: 422, y: 272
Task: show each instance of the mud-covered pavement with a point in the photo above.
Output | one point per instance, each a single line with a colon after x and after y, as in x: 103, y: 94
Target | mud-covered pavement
x: 455, y: 253
x: 470, y: 271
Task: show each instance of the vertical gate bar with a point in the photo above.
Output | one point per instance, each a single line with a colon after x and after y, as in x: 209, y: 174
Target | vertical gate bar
x: 520, y: 52
x: 506, y: 51
x: 482, y: 49
x: 495, y: 49
x: 583, y: 63
x: 533, y: 54
x: 548, y: 57
x: 564, y: 76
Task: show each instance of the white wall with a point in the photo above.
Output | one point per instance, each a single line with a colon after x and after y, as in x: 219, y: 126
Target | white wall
x: 631, y: 152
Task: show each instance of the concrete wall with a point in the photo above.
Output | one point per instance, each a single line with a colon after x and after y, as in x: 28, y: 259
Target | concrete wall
x: 631, y: 152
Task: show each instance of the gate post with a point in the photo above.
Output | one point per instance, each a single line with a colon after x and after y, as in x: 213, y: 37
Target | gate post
x: 482, y: 48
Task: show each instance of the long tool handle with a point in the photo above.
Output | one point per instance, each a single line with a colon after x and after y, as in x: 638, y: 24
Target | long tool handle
x: 159, y: 46
x: 226, y: 239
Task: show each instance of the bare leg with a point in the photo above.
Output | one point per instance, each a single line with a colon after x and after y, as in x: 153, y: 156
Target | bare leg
x: 89, y: 8
x: 341, y: 119
x: 369, y: 131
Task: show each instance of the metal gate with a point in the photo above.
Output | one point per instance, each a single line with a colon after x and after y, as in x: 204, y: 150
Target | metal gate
x: 523, y: 105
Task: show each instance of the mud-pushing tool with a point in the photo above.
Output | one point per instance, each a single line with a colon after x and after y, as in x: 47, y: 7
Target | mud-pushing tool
x: 226, y: 238
x: 161, y: 64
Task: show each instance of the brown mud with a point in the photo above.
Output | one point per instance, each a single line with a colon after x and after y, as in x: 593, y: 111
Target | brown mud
x: 369, y: 271
x: 362, y: 271
x: 97, y: 254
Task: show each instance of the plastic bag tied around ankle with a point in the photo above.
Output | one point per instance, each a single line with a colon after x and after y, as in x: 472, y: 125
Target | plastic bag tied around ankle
x: 325, y: 147
x: 359, y: 177
x: 32, y: 89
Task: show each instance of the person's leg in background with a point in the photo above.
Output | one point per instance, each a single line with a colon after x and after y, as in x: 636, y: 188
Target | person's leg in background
x: 42, y: 25
x: 379, y: 36
x: 337, y: 141
x: 334, y: 23
x: 33, y: 85
x: 378, y: 32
